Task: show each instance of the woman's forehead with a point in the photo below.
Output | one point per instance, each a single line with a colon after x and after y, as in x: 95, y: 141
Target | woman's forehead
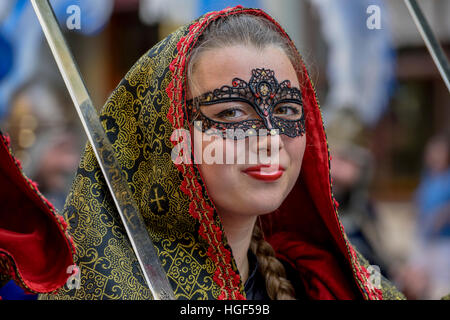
x: 218, y: 67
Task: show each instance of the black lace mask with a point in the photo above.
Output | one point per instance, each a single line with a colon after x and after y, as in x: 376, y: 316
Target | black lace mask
x: 263, y: 103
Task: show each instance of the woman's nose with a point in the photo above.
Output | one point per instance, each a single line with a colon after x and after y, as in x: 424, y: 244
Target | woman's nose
x: 267, y: 145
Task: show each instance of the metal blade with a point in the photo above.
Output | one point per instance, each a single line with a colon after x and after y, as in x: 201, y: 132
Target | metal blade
x: 430, y: 40
x: 134, y: 224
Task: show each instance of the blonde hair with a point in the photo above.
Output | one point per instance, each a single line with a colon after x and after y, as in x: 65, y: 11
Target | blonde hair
x: 277, y: 286
x: 250, y: 30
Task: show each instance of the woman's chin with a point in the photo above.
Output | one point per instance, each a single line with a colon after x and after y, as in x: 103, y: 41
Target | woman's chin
x: 263, y: 205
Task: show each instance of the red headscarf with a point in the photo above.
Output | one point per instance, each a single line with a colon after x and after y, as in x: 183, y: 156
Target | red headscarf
x: 305, y: 230
x: 35, y: 249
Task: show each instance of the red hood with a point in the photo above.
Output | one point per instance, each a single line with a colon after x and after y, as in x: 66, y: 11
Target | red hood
x: 305, y: 230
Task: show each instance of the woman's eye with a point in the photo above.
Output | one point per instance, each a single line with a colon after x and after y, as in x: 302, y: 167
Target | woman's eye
x: 287, y: 110
x: 230, y: 113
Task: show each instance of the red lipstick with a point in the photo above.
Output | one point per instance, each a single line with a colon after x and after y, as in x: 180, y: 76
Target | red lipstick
x: 261, y: 172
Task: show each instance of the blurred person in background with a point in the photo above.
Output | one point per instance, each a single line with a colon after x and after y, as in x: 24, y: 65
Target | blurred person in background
x: 352, y: 168
x: 433, y: 194
x: 43, y: 137
x: 427, y: 273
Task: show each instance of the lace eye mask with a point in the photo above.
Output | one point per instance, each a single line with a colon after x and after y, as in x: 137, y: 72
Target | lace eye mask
x: 262, y: 103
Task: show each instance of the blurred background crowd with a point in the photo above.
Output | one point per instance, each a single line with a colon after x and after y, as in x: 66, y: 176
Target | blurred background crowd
x: 385, y: 106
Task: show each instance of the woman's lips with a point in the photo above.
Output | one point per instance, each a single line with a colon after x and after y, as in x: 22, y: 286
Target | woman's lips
x: 262, y: 172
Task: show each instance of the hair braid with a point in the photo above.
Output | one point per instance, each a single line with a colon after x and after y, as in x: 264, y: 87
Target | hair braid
x: 277, y: 286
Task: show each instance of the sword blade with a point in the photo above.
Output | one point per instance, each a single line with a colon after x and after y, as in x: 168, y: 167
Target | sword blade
x: 430, y: 40
x: 134, y: 224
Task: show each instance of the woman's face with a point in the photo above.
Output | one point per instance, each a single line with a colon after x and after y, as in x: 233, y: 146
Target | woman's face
x: 233, y: 188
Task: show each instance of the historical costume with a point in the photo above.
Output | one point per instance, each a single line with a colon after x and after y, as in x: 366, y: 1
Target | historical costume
x: 139, y: 119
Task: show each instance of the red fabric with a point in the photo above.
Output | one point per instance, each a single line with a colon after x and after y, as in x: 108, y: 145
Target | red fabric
x: 322, y: 275
x: 300, y: 236
x: 33, y: 245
